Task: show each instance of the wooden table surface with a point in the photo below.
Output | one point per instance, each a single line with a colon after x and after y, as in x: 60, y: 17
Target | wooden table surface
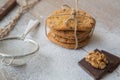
x: 55, y: 63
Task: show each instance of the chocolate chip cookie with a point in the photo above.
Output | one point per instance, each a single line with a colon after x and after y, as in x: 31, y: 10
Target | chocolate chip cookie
x: 71, y: 34
x: 65, y: 40
x: 57, y: 20
x: 68, y: 45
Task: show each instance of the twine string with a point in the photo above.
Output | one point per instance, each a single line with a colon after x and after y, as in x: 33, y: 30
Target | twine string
x: 46, y: 29
x: 76, y: 5
x: 64, y: 6
x: 72, y: 17
x: 5, y: 31
x: 73, y: 14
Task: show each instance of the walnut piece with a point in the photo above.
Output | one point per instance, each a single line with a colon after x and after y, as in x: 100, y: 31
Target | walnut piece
x: 97, y: 59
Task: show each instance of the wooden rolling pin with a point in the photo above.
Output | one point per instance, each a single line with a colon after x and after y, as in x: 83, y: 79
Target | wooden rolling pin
x: 5, y: 9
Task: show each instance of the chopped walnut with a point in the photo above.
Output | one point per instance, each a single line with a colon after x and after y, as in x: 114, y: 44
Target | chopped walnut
x: 97, y: 59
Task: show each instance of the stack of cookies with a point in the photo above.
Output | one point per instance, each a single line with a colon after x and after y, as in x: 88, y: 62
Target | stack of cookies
x: 63, y: 34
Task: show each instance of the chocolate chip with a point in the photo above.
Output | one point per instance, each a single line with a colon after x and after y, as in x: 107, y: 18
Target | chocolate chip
x: 70, y: 27
x: 64, y: 9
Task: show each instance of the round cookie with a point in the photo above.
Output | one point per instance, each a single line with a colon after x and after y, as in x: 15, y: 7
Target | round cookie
x: 64, y: 40
x: 69, y: 46
x: 57, y: 20
x: 70, y: 34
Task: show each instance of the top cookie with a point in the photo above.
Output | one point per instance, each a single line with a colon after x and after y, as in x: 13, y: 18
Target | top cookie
x: 57, y: 20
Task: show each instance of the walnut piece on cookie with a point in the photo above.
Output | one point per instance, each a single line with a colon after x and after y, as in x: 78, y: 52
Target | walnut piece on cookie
x: 97, y: 59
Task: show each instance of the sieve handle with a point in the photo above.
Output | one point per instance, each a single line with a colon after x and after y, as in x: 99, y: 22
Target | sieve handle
x: 7, y: 63
x: 32, y: 24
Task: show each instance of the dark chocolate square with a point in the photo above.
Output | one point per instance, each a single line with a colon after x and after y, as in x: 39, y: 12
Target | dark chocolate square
x: 113, y: 60
x: 97, y: 74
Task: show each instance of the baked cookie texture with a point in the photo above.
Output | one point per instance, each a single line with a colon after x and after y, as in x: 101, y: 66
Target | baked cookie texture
x: 66, y: 40
x: 70, y: 34
x: 64, y: 34
x: 67, y: 45
x: 57, y: 20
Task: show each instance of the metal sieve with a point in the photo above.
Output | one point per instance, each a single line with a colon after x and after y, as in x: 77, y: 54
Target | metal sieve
x: 17, y: 51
